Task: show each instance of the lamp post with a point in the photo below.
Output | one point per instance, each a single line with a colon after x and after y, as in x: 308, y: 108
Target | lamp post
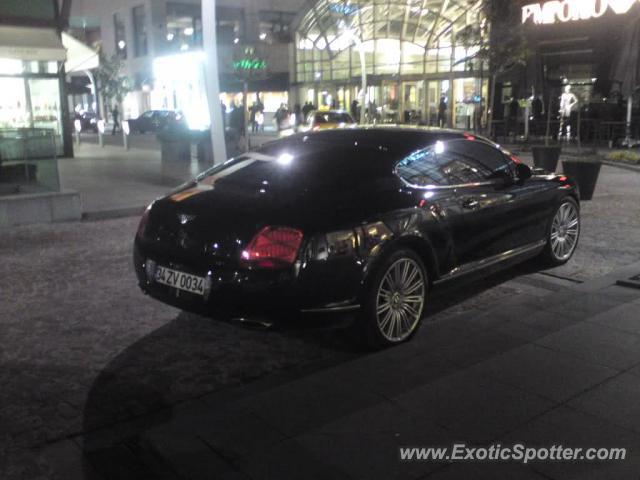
x: 351, y: 34
x: 212, y: 81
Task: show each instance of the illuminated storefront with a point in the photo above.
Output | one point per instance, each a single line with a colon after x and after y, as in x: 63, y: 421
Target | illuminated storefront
x: 30, y: 80
x: 414, y: 58
x: 576, y: 46
x: 179, y: 85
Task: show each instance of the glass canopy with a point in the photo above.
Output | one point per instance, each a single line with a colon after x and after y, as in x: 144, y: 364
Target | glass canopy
x: 397, y: 37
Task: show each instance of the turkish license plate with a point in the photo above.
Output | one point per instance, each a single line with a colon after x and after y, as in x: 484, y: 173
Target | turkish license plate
x: 181, y: 280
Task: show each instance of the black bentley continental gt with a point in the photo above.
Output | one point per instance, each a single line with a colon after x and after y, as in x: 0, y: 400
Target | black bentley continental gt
x: 367, y: 220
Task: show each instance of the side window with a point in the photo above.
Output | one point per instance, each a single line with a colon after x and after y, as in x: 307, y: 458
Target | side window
x: 492, y: 159
x: 422, y: 168
x: 460, y: 170
x: 445, y: 163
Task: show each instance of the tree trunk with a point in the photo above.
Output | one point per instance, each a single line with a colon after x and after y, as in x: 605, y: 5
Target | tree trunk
x: 491, y: 104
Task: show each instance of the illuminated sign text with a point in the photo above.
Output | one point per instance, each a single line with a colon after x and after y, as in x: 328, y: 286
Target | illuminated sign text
x: 571, y: 10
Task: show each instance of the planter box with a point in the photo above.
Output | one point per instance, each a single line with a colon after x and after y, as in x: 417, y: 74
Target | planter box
x: 546, y: 157
x: 176, y: 151
x: 585, y: 174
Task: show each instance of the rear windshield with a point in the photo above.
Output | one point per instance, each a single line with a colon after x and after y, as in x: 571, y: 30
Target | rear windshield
x: 309, y: 166
x: 332, y: 117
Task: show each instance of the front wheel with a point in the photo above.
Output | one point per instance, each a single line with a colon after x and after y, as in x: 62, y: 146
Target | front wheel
x: 563, y: 233
x: 394, y: 300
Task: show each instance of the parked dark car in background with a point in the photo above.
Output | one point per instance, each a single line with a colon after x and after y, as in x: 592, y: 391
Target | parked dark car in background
x: 155, y: 120
x: 88, y: 121
x: 366, y: 220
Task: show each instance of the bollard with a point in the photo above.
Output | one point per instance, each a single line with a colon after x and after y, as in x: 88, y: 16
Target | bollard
x: 77, y: 126
x: 101, y: 132
x: 125, y: 134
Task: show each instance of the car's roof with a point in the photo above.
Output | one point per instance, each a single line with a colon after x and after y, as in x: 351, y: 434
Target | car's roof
x: 332, y: 110
x: 387, y: 144
x: 392, y: 138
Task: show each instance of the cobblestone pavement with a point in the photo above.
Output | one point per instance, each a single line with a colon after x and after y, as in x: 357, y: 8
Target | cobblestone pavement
x: 76, y: 331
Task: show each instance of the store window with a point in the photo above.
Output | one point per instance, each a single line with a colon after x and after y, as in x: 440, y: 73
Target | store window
x: 31, y: 9
x: 120, y: 35
x: 140, y: 48
x: 32, y: 103
x: 184, y: 26
x: 230, y: 25
x: 275, y: 25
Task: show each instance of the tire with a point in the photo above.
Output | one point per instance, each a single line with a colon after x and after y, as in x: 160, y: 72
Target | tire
x: 386, y: 320
x: 562, y: 234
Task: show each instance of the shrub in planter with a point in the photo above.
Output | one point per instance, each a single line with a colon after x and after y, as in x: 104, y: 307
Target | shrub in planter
x: 546, y: 156
x: 585, y: 173
x: 624, y: 156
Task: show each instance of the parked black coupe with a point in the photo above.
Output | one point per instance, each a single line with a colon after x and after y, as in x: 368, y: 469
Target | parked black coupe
x: 367, y: 220
x: 156, y: 120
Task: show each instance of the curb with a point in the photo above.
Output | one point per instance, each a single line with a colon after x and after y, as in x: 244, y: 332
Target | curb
x: 111, y: 214
x: 624, y: 166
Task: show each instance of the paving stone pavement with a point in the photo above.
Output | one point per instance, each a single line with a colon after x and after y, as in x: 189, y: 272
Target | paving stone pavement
x: 74, y: 323
x: 81, y: 349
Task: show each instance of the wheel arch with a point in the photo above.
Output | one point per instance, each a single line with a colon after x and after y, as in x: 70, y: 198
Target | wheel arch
x: 420, y: 245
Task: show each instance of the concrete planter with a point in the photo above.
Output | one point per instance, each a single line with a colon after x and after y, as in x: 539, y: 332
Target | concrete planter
x: 546, y: 157
x: 175, y: 150
x: 585, y: 173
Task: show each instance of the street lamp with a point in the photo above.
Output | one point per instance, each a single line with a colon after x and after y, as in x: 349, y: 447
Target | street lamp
x: 212, y: 81
x: 350, y: 33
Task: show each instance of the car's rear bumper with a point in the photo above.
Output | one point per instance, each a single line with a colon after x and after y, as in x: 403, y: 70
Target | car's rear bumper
x: 237, y: 292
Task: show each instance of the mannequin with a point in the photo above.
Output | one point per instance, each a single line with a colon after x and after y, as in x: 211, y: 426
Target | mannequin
x: 567, y: 101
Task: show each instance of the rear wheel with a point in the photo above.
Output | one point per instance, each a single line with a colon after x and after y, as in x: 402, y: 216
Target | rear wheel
x: 563, y: 233
x: 394, y: 300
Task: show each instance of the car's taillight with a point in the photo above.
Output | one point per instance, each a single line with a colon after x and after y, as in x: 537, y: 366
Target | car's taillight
x: 272, y: 247
x: 143, y: 222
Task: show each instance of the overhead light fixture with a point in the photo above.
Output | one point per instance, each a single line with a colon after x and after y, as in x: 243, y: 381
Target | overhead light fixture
x: 170, y: 37
x: 188, y: 31
x: 122, y: 44
x: 263, y: 36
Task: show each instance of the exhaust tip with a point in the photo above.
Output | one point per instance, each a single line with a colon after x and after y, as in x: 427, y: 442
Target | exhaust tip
x: 256, y: 323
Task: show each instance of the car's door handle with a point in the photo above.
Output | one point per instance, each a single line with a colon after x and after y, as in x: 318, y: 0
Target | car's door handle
x: 470, y: 203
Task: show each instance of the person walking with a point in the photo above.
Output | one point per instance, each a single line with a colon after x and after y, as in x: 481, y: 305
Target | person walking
x: 297, y: 111
x: 354, y: 110
x: 306, y: 109
x: 115, y: 117
x: 442, y: 111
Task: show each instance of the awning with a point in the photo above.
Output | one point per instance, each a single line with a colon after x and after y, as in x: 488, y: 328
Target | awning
x: 30, y: 43
x: 79, y: 56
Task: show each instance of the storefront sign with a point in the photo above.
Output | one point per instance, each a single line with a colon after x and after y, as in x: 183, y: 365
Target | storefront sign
x: 571, y: 10
x: 250, y: 64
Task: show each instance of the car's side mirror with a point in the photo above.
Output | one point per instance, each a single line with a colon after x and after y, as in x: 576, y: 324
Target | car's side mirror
x: 523, y: 172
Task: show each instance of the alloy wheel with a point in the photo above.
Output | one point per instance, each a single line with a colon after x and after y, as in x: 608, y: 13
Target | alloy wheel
x: 400, y: 299
x: 565, y: 229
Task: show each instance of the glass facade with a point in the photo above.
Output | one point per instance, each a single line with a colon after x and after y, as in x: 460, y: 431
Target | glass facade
x: 412, y: 52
